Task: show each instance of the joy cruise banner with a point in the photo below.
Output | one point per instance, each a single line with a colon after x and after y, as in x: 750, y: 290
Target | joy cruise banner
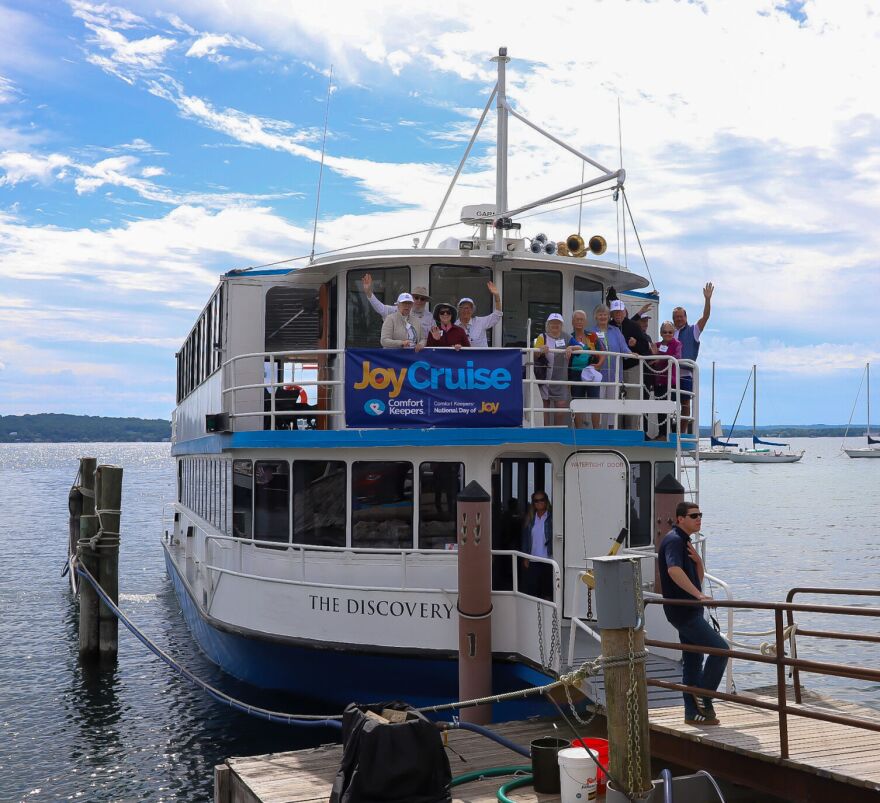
x: 392, y: 388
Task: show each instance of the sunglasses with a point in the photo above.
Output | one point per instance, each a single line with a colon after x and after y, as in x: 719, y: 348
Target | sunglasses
x: 694, y: 515
x: 445, y: 312
x: 540, y: 499
x: 420, y: 298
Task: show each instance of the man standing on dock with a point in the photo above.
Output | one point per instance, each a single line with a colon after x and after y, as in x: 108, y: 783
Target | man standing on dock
x: 689, y: 336
x: 681, y: 577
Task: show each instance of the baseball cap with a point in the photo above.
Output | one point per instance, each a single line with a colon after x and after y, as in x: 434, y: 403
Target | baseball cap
x: 404, y: 297
x: 466, y: 300
x: 616, y: 305
x: 555, y: 316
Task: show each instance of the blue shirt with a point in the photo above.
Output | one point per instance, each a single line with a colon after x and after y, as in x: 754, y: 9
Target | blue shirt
x: 673, y: 552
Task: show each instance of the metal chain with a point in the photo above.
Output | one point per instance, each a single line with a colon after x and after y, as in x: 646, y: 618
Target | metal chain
x: 554, y: 638
x: 540, y: 610
x: 633, y: 735
x: 589, y: 604
x: 574, y: 712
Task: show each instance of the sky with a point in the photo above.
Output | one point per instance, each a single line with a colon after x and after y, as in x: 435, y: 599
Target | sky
x: 148, y: 147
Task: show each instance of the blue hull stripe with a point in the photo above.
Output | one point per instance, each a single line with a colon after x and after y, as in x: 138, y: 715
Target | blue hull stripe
x: 364, y: 438
x: 336, y: 677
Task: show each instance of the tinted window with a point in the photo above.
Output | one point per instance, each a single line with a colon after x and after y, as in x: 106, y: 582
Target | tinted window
x: 640, y: 493
x: 663, y: 469
x: 319, y: 502
x: 382, y: 505
x: 529, y: 294
x: 363, y: 324
x: 293, y: 319
x: 272, y: 500
x: 587, y: 294
x: 439, y: 485
x: 451, y: 283
x: 242, y: 498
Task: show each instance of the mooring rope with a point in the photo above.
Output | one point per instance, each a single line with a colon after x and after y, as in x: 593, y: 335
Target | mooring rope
x: 305, y: 720
x: 573, y: 678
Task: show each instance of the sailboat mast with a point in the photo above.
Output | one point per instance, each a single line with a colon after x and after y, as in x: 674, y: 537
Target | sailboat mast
x: 712, y: 424
x: 754, y: 402
x: 868, y: 394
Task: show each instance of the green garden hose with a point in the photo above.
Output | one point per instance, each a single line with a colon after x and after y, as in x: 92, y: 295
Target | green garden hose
x: 501, y: 794
x: 476, y: 775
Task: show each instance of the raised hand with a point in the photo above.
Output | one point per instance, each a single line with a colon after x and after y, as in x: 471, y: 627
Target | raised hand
x: 367, y: 284
x: 708, y: 290
x: 492, y: 288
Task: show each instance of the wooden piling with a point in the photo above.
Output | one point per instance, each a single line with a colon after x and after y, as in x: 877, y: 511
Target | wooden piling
x: 88, y: 597
x: 618, y: 681
x: 108, y: 501
x: 87, y: 466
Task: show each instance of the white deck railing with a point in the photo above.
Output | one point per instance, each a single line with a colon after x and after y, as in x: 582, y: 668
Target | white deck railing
x: 260, y: 399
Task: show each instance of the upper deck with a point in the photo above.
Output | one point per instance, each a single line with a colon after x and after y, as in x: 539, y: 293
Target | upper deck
x: 269, y: 351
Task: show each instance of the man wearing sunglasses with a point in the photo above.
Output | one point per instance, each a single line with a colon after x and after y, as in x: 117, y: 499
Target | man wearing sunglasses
x: 420, y: 312
x: 681, y: 577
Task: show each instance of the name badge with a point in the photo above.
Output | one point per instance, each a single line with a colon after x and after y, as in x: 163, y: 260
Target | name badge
x: 664, y: 348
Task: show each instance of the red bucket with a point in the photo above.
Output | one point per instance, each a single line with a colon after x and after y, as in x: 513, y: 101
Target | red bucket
x: 599, y: 746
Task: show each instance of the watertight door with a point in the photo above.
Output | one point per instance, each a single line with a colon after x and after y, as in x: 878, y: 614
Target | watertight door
x: 596, y: 487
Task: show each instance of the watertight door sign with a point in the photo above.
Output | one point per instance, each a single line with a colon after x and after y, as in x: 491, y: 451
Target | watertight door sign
x: 433, y: 388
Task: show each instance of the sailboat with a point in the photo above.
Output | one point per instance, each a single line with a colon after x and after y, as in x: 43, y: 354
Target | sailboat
x: 756, y: 455
x: 873, y: 447
x: 718, y: 449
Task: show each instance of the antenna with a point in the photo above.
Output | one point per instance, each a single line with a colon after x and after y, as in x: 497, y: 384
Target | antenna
x: 620, y: 146
x: 321, y: 169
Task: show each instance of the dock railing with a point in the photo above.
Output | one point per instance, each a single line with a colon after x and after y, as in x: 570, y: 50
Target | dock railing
x: 271, y: 378
x: 780, y: 660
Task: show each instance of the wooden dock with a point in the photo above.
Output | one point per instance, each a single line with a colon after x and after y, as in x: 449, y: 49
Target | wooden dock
x: 827, y: 761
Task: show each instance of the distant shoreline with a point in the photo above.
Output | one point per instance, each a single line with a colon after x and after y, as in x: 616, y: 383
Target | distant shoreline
x: 64, y: 428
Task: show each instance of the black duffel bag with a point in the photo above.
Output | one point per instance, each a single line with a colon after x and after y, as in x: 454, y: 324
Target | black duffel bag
x: 397, y: 762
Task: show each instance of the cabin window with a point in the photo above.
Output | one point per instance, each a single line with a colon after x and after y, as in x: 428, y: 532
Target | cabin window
x: 382, y: 504
x: 293, y: 318
x: 363, y: 325
x: 319, y: 502
x: 242, y: 499
x: 663, y: 469
x: 529, y: 294
x: 451, y: 283
x: 439, y: 485
x: 640, y: 493
x: 587, y: 294
x: 272, y: 501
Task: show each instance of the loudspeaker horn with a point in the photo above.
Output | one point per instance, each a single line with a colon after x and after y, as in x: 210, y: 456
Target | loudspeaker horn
x: 597, y: 244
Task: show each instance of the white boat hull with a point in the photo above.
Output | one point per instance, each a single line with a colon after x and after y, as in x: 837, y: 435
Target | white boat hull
x: 865, y: 451
x: 715, y: 454
x: 765, y: 457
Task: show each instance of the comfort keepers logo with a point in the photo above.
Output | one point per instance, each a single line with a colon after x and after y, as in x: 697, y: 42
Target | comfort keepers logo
x: 374, y: 407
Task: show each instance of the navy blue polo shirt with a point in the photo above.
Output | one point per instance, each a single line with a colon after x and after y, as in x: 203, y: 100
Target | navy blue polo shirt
x: 673, y: 552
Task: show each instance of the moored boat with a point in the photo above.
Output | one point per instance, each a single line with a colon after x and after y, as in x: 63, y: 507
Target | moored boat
x: 872, y: 449
x: 313, y: 547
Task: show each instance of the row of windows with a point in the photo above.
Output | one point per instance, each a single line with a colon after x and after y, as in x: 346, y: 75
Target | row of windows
x: 269, y: 496
x: 305, y: 503
x: 201, y: 353
x: 203, y: 486
x: 294, y: 318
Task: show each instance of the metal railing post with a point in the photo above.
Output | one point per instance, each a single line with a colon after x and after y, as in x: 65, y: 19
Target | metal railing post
x: 781, y: 697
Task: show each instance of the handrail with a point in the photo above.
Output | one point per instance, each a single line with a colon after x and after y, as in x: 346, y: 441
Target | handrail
x: 780, y: 660
x: 848, y: 592
x: 674, y: 366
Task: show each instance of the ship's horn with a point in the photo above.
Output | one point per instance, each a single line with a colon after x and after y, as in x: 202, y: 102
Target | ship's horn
x: 550, y: 247
x: 541, y: 238
x: 562, y: 250
x: 536, y: 247
x: 598, y: 244
x: 575, y: 245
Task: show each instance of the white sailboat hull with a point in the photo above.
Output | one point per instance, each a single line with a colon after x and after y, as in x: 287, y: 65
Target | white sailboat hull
x: 715, y: 454
x: 865, y: 451
x: 765, y: 457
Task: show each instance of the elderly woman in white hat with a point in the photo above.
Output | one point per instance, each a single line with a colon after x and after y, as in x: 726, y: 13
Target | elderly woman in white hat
x: 475, y: 327
x: 551, y: 363
x: 401, y: 330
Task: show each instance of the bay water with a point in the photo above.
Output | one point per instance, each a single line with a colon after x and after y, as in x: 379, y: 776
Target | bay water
x: 140, y: 732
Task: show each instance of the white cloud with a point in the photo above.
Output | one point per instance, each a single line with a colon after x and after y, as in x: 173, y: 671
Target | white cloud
x: 209, y: 46
x: 8, y: 92
x: 815, y: 359
x: 30, y: 167
x: 152, y: 172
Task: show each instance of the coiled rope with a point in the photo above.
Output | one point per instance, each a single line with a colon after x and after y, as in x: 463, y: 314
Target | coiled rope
x: 573, y: 678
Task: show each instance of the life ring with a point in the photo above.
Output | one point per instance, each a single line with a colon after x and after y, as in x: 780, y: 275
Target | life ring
x: 303, y: 398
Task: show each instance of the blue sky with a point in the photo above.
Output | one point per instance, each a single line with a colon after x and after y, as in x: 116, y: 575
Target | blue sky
x: 147, y: 147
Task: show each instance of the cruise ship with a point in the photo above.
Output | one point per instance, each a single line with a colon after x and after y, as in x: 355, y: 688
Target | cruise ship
x: 313, y: 542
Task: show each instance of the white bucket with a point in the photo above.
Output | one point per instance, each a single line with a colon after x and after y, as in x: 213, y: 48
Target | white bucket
x: 577, y: 774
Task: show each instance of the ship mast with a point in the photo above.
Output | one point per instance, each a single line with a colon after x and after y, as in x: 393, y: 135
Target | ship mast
x: 501, y: 145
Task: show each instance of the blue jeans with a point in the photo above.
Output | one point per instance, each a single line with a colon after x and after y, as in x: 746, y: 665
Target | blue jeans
x: 698, y: 632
